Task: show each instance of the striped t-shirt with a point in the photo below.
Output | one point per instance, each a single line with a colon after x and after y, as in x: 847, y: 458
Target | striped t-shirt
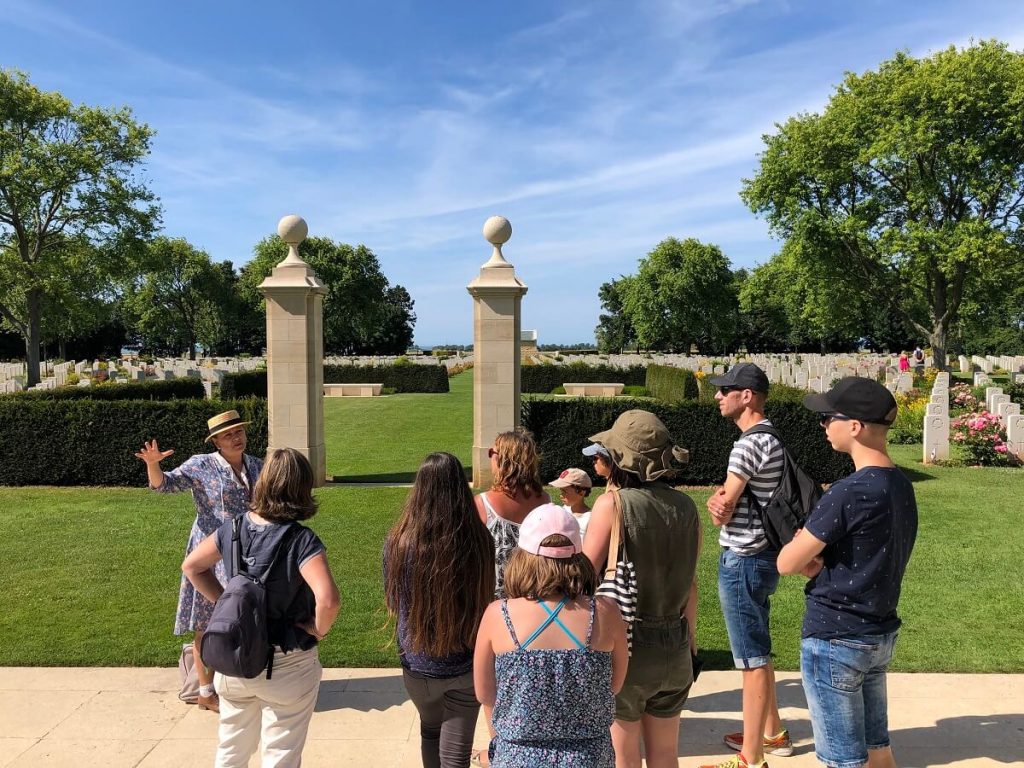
x: 757, y: 459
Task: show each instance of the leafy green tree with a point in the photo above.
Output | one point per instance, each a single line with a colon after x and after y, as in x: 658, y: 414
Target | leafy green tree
x: 906, y: 187
x: 394, y: 336
x: 363, y: 313
x: 993, y: 315
x: 683, y: 294
x: 67, y: 173
x: 614, y: 331
x: 180, y: 300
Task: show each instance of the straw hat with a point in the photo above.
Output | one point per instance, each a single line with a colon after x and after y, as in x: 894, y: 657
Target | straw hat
x: 222, y: 422
x: 639, y: 443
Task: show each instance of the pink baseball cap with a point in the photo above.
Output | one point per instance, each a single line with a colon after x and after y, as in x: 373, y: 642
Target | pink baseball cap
x: 548, y: 520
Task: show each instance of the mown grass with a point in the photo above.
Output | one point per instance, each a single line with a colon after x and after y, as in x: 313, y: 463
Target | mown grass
x: 384, y: 439
x: 91, y: 574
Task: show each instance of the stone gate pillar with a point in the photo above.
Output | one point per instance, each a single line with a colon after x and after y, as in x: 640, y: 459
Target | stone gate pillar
x: 497, y: 297
x: 295, y: 352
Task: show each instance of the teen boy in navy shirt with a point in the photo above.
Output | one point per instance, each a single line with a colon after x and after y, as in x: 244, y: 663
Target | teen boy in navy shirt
x: 854, y: 548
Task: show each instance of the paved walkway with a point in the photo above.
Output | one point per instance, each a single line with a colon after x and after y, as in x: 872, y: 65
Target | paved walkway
x: 132, y: 717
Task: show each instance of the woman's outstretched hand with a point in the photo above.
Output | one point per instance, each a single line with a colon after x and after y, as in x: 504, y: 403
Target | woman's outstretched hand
x: 151, y: 453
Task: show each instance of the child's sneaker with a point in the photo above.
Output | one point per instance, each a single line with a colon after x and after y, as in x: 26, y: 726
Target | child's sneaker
x: 737, y: 761
x: 780, y: 745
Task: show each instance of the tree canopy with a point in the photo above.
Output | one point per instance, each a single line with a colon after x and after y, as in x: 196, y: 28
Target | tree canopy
x: 68, y: 176
x: 683, y: 293
x: 363, y: 313
x: 906, y: 189
x: 181, y: 299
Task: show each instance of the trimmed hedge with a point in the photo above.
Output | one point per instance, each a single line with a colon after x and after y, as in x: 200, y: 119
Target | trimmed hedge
x: 244, y: 384
x: 169, y: 389
x: 671, y: 385
x: 93, y: 442
x: 540, y: 379
x: 561, y: 428
x: 407, y: 377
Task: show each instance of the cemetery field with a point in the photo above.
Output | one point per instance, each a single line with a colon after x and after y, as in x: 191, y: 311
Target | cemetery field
x: 384, y: 439
x: 91, y: 575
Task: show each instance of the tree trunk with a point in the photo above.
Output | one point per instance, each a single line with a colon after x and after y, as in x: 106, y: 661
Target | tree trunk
x: 34, y: 300
x: 62, y: 349
x: 937, y: 338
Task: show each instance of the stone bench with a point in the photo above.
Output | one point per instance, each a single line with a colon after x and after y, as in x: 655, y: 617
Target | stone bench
x: 352, y: 390
x: 594, y: 390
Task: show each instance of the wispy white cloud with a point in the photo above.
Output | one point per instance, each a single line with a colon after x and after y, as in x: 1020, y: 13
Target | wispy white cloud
x: 598, y: 131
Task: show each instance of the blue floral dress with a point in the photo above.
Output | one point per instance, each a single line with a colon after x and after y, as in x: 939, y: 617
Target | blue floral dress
x: 218, y: 496
x: 553, y: 706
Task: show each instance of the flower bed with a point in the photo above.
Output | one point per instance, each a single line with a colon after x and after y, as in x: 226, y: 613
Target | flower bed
x: 982, y: 438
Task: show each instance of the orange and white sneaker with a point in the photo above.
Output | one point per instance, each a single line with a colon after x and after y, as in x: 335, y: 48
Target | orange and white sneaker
x: 737, y: 761
x: 780, y: 745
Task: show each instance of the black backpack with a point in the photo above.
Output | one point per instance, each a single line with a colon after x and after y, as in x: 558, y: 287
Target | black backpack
x: 791, y: 503
x: 236, y: 642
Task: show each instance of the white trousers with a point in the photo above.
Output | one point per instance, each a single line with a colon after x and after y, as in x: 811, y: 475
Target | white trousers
x: 276, y: 712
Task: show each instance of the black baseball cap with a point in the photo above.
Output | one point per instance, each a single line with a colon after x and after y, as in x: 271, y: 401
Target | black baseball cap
x: 859, y: 398
x: 743, y: 376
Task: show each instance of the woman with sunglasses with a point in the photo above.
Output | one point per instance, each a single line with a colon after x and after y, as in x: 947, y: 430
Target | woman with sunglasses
x: 516, y: 490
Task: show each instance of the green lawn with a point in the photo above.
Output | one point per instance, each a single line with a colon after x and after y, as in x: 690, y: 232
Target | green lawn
x: 384, y: 439
x: 91, y: 574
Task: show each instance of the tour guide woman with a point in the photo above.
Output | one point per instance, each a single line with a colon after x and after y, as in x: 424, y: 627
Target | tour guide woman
x: 221, y: 485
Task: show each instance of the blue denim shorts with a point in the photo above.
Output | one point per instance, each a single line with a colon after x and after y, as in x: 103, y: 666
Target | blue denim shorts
x: 745, y: 584
x: 844, y: 680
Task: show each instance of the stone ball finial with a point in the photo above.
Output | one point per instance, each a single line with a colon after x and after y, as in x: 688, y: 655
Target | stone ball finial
x: 293, y: 230
x: 497, y: 231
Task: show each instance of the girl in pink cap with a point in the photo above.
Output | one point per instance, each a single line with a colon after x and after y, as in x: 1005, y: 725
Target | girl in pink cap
x: 550, y: 656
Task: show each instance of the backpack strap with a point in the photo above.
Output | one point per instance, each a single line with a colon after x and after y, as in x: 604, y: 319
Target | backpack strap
x: 236, y: 545
x: 616, y: 535
x: 763, y: 429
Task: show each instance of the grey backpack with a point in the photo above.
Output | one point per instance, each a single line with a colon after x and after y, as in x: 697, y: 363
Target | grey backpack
x: 236, y: 642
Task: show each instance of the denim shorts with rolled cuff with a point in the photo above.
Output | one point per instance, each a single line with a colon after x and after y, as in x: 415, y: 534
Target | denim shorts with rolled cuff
x: 745, y: 584
x: 844, y: 680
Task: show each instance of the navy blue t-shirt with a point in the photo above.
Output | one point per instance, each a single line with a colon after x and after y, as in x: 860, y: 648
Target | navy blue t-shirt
x: 289, y: 597
x: 868, y: 522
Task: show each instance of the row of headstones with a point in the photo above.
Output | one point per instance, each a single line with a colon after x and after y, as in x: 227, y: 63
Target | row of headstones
x: 988, y: 363
x: 814, y: 372
x: 937, y: 422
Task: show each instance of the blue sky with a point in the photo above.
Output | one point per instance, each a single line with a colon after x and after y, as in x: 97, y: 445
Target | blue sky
x: 596, y: 128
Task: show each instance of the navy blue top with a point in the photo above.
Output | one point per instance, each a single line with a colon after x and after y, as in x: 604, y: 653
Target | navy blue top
x: 452, y: 665
x: 868, y: 522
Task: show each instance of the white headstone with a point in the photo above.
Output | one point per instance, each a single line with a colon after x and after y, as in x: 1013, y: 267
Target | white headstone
x: 1015, y: 435
x: 936, y: 436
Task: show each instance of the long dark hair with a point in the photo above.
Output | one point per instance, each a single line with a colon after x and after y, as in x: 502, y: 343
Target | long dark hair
x: 439, y: 561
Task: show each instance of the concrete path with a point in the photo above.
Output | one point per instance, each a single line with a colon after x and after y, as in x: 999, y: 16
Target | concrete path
x: 132, y: 717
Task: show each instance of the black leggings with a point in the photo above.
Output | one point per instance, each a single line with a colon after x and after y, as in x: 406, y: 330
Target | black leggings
x: 448, y: 711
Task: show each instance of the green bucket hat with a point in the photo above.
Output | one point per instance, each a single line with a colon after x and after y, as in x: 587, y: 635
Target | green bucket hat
x: 639, y: 443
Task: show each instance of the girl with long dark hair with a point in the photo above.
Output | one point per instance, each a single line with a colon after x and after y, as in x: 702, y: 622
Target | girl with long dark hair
x: 438, y: 580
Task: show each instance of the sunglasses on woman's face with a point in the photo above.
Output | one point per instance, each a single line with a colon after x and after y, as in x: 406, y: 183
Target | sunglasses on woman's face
x: 491, y: 453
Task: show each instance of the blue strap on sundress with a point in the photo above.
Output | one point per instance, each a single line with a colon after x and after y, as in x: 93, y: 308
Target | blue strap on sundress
x: 552, y: 617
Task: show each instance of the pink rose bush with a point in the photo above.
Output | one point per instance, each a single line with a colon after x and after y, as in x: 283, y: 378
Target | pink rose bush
x: 982, y: 438
x: 962, y: 399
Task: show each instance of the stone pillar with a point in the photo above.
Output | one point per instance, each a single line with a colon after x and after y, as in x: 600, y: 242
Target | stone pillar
x: 295, y: 352
x: 936, y: 433
x: 497, y: 297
